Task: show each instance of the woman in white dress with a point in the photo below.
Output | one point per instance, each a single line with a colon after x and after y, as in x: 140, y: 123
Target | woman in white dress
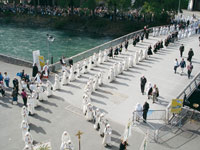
x: 49, y: 88
x: 100, y: 60
x: 89, y: 113
x: 100, y: 78
x: 31, y: 108
x: 24, y: 114
x: 57, y: 84
x: 65, y: 76
x: 96, y: 115
x: 111, y: 76
x: 138, y: 112
x: 28, y: 139
x: 65, y: 137
x: 71, y: 75
x: 107, y: 136
x: 25, y: 129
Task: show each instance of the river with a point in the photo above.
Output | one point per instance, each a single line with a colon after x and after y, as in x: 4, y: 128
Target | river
x: 20, y: 42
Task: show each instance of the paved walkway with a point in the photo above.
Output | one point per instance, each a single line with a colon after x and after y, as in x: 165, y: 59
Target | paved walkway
x: 62, y: 111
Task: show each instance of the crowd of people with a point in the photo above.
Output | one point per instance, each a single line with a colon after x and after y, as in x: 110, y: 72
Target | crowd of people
x: 33, y: 90
x: 46, y: 10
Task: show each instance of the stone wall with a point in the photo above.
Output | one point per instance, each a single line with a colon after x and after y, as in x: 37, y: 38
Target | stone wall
x: 16, y: 61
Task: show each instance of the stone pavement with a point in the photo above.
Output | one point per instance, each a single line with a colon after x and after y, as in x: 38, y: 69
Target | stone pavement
x: 117, y: 99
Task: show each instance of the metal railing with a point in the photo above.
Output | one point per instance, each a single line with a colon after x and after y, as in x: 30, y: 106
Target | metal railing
x: 186, y: 93
x: 154, y: 114
x: 81, y: 56
x: 146, y: 127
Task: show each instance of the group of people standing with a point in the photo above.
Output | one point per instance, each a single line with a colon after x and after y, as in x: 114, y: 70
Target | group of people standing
x: 182, y: 63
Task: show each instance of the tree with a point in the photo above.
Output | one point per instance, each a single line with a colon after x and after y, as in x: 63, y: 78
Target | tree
x: 91, y: 4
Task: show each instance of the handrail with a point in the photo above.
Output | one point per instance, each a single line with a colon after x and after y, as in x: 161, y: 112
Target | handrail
x: 193, y: 80
x: 154, y: 130
x: 104, y: 46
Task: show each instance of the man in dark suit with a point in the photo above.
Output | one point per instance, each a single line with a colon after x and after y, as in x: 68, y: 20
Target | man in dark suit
x: 143, y: 82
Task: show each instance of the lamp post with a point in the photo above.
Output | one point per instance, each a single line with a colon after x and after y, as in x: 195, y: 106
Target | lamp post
x: 179, y: 6
x: 49, y: 39
x: 79, y: 139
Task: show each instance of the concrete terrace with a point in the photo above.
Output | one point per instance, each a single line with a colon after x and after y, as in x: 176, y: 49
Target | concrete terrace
x: 117, y: 99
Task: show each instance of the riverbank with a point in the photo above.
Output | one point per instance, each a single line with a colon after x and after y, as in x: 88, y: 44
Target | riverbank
x: 100, y: 26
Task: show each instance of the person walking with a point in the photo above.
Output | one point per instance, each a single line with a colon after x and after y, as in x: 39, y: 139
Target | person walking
x: 189, y: 68
x: 155, y: 93
x: 143, y: 82
x: 1, y: 77
x: 6, y: 79
x: 123, y: 145
x: 182, y: 65
x: 14, y: 95
x: 16, y: 84
x: 35, y: 70
x: 24, y: 97
x: 176, y: 65
x: 181, y: 49
x: 190, y: 55
x: 145, y: 111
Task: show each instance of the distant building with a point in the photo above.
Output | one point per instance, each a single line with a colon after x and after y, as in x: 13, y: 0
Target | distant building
x: 194, y: 5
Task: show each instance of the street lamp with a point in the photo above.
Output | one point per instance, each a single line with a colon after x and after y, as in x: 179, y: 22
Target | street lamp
x: 49, y: 39
x: 179, y: 6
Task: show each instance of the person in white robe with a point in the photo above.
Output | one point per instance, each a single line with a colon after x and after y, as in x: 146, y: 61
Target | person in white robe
x: 130, y: 61
x: 89, y: 113
x: 65, y: 78
x: 95, y: 59
x: 154, y: 32
x: 111, y: 76
x: 37, y: 78
x: 115, y: 69
x: 100, y: 60
x: 23, y: 85
x: 78, y: 70
x: 65, y: 137
x: 102, y: 124
x: 49, y: 89
x: 85, y: 66
x: 90, y: 64
x: 145, y: 55
x: 28, y: 147
x: 25, y: 129
x: 96, y: 115
x: 100, y: 78
x: 64, y: 67
x: 141, y: 55
x: 120, y: 68
x: 28, y: 139
x: 138, y: 111
x: 95, y: 83
x: 125, y: 64
x: 33, y: 99
x: 107, y: 136
x: 57, y: 84
x: 31, y: 108
x: 86, y: 101
x: 105, y: 55
x: 24, y: 114
x: 67, y: 146
x: 46, y: 71
x: 71, y: 75
x: 42, y: 93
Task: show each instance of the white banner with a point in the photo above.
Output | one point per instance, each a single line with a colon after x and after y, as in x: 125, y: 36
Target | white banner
x: 36, y: 55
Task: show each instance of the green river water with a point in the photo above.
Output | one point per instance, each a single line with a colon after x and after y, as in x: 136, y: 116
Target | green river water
x: 20, y: 42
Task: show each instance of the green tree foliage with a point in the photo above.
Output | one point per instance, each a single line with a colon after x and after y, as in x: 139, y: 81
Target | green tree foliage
x: 91, y: 4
